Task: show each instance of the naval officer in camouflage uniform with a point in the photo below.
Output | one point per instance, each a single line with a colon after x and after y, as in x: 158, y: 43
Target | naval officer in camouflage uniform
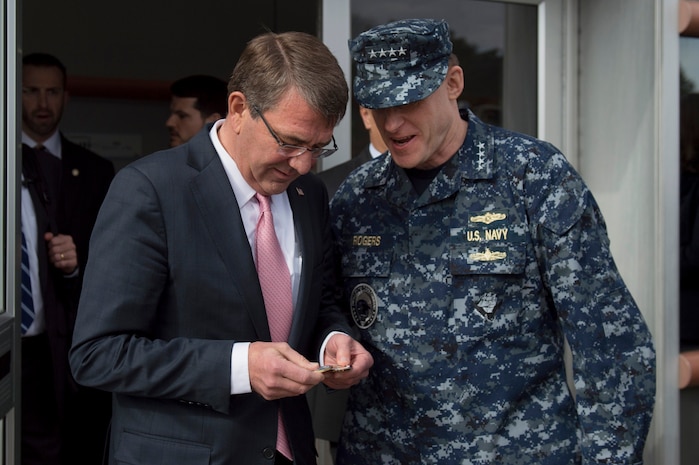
x: 468, y: 254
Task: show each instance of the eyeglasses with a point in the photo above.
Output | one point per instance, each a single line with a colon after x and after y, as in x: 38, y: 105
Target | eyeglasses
x: 290, y: 151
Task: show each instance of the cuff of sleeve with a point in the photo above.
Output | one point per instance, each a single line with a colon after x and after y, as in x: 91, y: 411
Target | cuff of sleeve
x: 240, y: 377
x: 75, y: 273
x: 321, y: 355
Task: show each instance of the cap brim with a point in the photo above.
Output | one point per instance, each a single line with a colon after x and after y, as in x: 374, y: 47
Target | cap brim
x: 375, y: 87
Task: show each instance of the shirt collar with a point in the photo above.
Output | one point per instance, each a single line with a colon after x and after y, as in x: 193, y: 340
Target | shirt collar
x: 374, y: 151
x: 52, y: 144
x: 242, y: 190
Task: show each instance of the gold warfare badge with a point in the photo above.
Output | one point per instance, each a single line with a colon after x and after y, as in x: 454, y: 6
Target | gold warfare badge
x: 364, y: 305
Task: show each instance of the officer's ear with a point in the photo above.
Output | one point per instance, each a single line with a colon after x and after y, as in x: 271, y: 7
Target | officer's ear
x: 454, y: 82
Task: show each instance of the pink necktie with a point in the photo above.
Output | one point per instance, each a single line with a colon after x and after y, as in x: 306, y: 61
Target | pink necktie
x: 275, y: 282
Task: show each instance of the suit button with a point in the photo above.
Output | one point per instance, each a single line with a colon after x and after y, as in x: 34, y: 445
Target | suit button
x: 268, y: 453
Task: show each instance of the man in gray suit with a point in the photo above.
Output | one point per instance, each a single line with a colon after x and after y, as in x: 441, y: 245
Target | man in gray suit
x: 172, y: 318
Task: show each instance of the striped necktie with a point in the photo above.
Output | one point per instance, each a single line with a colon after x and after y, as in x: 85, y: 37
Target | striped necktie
x: 27, y: 299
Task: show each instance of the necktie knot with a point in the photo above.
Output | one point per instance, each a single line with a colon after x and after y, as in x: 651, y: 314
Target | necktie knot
x: 264, y: 203
x: 41, y: 150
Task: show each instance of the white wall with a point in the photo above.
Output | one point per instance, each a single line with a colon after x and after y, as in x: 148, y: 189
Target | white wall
x: 628, y: 139
x: 335, y: 33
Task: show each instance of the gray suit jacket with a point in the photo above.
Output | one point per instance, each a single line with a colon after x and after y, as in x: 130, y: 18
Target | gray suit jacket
x: 170, y: 286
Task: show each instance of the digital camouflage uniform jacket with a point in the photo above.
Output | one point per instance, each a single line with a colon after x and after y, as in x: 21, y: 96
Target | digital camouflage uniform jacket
x: 464, y: 296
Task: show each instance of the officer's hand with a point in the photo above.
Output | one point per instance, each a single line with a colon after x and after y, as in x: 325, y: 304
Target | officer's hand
x: 276, y: 370
x: 343, y: 350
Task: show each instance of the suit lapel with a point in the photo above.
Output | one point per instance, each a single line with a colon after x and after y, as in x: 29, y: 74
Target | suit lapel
x: 214, y: 196
x: 42, y: 225
x: 219, y: 211
x: 303, y: 224
x: 71, y: 172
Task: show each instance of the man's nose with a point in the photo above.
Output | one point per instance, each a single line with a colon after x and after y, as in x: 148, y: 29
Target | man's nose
x: 303, y: 163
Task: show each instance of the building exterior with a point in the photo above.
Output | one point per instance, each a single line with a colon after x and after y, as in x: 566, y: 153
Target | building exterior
x: 597, y: 78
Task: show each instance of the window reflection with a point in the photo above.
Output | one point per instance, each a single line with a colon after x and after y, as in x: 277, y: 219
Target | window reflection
x: 496, y: 46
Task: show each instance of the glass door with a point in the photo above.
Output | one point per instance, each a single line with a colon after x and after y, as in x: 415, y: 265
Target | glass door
x: 496, y: 44
x: 9, y: 252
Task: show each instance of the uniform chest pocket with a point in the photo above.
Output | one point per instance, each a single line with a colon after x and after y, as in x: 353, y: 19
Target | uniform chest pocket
x: 488, y: 288
x: 505, y: 258
x: 492, y: 242
x: 366, y: 262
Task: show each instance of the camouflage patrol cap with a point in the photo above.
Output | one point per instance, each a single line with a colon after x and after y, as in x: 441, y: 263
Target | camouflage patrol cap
x: 400, y: 62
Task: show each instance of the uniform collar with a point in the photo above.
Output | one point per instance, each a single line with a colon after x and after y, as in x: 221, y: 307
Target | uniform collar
x: 474, y: 159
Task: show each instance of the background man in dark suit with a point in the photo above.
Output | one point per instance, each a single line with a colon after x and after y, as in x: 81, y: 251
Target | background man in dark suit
x: 174, y: 318
x: 63, y: 188
x: 194, y: 101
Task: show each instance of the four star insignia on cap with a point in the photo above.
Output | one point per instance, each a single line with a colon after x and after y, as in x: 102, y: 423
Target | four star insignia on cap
x: 391, y: 52
x: 384, y: 51
x: 400, y: 62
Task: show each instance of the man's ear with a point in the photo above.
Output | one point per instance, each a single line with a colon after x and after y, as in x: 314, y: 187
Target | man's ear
x: 237, y: 105
x: 455, y: 81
